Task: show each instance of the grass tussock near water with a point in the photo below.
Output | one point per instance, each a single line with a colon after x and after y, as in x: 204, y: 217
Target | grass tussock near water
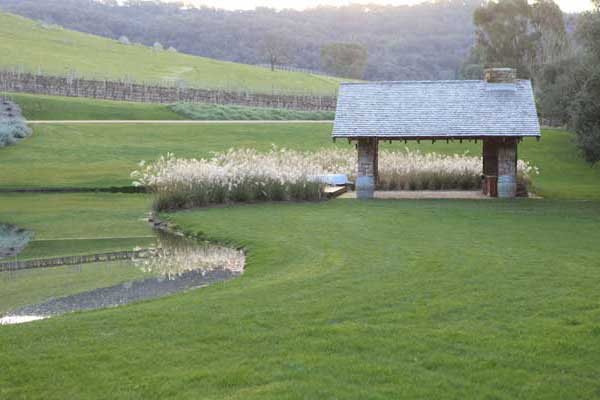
x: 214, y: 112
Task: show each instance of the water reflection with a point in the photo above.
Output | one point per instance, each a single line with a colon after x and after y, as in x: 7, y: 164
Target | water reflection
x: 177, y: 264
x: 176, y: 256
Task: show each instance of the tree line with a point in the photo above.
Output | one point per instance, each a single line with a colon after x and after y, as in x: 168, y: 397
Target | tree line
x: 561, y: 55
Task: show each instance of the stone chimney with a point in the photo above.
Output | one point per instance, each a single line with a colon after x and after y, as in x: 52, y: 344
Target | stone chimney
x: 501, y: 75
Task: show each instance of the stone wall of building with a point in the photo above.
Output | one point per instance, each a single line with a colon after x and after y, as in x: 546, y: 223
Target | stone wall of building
x: 367, y: 167
x: 11, y: 81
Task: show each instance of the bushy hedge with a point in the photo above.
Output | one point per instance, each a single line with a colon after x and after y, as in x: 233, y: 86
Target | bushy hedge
x: 215, y: 112
x: 13, y: 126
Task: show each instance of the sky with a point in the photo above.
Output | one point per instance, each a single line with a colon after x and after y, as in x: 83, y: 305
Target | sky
x: 566, y: 5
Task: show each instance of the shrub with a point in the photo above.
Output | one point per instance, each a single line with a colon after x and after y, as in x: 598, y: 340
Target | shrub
x: 13, y: 126
x: 157, y: 47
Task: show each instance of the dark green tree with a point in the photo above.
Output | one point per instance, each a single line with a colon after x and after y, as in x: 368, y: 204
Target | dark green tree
x: 276, y: 49
x: 504, y: 35
x: 348, y: 60
x: 586, y: 118
x: 549, y: 23
x: 514, y: 33
x: 585, y: 110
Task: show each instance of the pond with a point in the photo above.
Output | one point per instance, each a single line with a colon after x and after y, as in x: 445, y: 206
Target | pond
x: 176, y: 264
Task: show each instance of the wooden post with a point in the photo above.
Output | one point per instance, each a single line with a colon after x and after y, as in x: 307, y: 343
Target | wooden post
x: 490, y: 167
x: 367, y: 168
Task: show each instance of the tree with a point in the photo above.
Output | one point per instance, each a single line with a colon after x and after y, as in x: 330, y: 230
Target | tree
x: 348, y: 60
x: 276, y: 50
x: 586, y: 107
x: 513, y: 33
x: 586, y: 119
x: 505, y: 36
x: 557, y: 85
x: 552, y: 42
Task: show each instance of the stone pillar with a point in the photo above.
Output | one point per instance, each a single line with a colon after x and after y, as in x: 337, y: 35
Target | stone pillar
x: 490, y: 167
x: 367, y: 168
x: 507, y: 168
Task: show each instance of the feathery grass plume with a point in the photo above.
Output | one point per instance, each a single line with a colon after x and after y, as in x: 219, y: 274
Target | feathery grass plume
x: 246, y: 175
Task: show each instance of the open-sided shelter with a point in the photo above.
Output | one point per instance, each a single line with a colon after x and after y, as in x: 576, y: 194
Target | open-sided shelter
x: 499, y: 111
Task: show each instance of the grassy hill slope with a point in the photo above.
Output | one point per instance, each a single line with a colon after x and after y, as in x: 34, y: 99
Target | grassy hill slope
x: 54, y: 50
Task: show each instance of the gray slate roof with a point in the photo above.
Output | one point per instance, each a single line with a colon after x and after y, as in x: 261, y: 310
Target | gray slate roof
x: 429, y: 109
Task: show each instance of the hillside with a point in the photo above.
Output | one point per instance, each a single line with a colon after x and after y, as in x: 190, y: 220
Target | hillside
x: 34, y: 46
x: 422, y: 41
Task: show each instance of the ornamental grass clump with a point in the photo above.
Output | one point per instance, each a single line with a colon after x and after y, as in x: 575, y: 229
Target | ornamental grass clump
x: 415, y: 170
x: 13, y: 126
x: 243, y: 175
x: 247, y: 175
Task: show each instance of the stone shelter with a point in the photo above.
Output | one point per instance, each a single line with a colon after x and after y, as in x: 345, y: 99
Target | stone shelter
x: 499, y: 111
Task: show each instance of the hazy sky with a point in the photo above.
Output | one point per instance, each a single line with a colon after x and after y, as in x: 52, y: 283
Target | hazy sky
x: 566, y: 5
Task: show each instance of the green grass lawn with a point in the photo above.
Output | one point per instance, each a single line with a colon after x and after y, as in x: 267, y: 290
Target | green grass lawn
x: 105, y: 155
x: 73, y: 224
x: 341, y: 299
x: 349, y: 299
x: 214, y: 112
x: 28, y: 44
x: 51, y: 108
